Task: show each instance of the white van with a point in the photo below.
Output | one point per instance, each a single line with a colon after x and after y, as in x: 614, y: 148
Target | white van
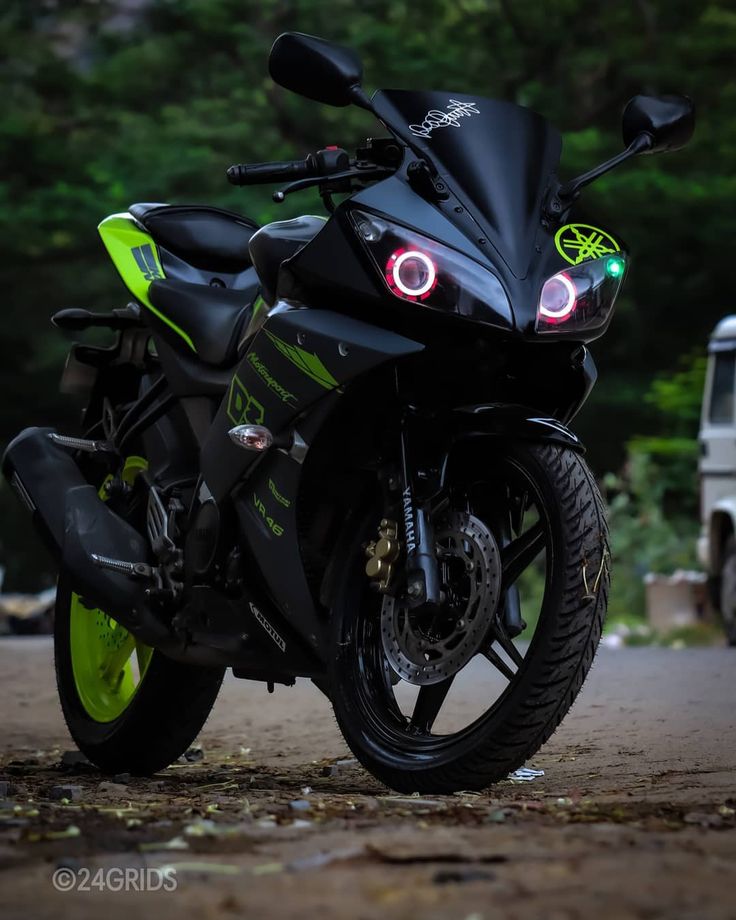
x: 717, y: 543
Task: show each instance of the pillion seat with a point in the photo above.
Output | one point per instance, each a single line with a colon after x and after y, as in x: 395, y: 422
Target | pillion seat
x: 207, y: 238
x: 211, y: 318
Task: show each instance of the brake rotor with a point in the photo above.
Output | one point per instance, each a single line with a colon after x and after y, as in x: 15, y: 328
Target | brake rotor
x: 426, y: 647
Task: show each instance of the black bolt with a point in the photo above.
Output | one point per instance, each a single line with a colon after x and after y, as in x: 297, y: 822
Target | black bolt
x: 482, y: 240
x: 458, y: 210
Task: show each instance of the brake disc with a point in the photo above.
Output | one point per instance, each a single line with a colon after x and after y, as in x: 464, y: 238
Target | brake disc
x: 426, y: 647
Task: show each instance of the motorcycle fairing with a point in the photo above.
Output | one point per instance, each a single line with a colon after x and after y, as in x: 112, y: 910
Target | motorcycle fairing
x: 297, y: 357
x: 498, y: 158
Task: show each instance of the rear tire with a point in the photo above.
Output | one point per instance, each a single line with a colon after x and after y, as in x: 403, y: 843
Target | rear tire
x: 545, y: 686
x: 163, y: 717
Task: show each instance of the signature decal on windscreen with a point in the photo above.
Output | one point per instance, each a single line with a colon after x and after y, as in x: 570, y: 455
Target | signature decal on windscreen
x: 578, y: 242
x: 448, y: 118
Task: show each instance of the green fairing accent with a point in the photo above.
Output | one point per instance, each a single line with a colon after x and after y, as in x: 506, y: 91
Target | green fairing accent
x: 578, y: 242
x: 308, y: 363
x: 101, y: 649
x: 136, y: 258
x: 243, y: 408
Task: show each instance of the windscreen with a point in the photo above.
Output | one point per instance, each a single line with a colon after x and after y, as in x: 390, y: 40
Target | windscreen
x: 496, y: 157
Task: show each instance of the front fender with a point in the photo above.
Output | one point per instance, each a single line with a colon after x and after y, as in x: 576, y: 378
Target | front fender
x: 511, y: 423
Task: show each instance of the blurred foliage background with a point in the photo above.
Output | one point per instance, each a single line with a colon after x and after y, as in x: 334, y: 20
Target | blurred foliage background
x: 107, y: 102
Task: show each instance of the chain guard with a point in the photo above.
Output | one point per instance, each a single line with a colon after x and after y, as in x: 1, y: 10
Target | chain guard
x: 428, y: 647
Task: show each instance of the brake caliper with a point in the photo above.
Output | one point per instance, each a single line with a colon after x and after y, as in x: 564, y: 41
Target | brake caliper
x: 382, y: 554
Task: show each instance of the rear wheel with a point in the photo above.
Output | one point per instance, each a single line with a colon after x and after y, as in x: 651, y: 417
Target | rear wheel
x: 525, y: 531
x: 127, y: 706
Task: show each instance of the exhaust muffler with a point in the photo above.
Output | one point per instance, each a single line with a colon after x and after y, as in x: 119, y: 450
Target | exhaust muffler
x: 79, y: 528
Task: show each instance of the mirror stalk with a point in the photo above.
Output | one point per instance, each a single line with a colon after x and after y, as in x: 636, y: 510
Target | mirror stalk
x: 640, y: 144
x: 561, y: 198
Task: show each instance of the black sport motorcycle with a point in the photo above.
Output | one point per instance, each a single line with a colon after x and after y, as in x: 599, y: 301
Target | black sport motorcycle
x: 337, y: 448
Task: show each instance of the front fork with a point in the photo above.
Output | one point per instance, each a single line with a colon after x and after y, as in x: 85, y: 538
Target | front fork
x: 422, y: 481
x: 418, y: 486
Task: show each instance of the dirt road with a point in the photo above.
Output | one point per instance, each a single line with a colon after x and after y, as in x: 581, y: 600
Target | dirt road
x: 634, y: 817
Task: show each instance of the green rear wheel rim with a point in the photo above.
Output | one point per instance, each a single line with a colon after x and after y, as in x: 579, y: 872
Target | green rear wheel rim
x: 108, y: 662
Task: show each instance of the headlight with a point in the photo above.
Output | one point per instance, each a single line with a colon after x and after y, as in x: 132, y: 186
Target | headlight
x: 420, y: 270
x: 580, y: 299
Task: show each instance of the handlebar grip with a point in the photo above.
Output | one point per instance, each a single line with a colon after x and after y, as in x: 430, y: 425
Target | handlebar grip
x: 255, y: 173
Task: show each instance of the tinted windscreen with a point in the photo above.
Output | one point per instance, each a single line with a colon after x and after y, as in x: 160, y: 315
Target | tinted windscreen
x: 497, y: 158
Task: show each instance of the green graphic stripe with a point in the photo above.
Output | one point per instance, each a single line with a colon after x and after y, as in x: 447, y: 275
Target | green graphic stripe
x: 307, y: 363
x: 135, y: 256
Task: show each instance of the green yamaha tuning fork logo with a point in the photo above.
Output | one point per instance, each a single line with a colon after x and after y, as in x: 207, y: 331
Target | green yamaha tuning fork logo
x: 578, y: 242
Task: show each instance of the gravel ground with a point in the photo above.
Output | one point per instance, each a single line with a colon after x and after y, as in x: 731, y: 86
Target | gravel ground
x: 633, y: 818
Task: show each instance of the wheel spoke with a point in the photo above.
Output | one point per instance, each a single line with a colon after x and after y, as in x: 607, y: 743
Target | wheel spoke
x: 508, y: 646
x: 520, y: 553
x: 498, y: 663
x: 116, y: 660
x: 429, y: 702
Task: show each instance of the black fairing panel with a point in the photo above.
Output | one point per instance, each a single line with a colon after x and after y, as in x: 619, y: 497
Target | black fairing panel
x: 497, y: 157
x: 275, y: 243
x: 297, y: 358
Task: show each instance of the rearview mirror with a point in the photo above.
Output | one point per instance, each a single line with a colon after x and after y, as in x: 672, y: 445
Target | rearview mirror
x: 667, y: 122
x: 316, y: 69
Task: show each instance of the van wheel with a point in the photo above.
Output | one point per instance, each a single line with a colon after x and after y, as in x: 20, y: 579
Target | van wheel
x: 728, y: 592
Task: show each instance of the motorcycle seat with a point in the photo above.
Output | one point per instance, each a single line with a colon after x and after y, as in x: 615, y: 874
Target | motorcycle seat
x: 207, y: 238
x: 211, y: 318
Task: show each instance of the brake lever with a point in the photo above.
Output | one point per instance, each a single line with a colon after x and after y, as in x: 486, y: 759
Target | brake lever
x: 298, y: 184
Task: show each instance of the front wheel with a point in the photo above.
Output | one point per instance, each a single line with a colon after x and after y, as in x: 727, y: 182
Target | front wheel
x: 522, y: 544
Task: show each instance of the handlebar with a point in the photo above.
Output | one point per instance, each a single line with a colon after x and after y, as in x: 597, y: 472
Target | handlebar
x: 263, y: 173
x: 379, y: 158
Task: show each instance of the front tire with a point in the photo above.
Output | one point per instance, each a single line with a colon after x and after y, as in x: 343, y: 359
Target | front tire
x: 133, y: 722
x: 403, y: 752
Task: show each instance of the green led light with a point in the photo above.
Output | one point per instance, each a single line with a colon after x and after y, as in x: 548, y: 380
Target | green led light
x: 614, y: 267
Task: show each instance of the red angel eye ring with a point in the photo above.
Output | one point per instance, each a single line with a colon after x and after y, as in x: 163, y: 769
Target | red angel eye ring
x: 411, y: 272
x: 557, y: 300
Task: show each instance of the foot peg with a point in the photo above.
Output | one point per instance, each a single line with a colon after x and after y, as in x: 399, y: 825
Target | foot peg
x: 89, y: 447
x: 138, y: 570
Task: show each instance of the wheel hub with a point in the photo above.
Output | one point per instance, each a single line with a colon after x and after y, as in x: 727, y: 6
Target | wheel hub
x: 426, y: 647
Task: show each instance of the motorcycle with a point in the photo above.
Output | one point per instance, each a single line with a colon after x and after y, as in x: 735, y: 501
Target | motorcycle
x: 338, y: 448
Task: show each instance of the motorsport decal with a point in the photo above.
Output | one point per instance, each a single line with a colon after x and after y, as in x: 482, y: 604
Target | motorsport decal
x: 578, y: 242
x: 242, y: 408
x: 449, y: 118
x: 281, y: 499
x: 270, y: 381
x: 267, y: 626
x: 307, y: 363
x: 145, y: 259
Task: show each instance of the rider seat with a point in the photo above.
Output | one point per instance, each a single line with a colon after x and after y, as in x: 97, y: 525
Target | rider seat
x: 213, y: 318
x: 207, y: 238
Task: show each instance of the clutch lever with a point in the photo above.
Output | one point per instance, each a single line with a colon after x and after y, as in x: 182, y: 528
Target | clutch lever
x: 299, y: 184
